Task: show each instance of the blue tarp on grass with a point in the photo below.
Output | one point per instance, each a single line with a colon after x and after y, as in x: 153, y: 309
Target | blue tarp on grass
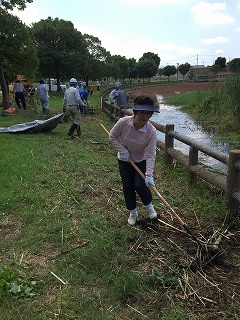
x: 35, y: 126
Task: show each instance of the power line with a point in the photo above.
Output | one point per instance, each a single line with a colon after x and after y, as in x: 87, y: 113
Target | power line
x: 197, y: 57
x: 175, y: 60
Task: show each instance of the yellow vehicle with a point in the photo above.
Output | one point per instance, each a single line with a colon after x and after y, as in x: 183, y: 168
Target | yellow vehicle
x: 25, y: 82
x: 10, y: 86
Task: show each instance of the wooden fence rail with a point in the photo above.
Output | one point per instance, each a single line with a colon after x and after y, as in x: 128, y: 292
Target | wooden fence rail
x: 229, y: 184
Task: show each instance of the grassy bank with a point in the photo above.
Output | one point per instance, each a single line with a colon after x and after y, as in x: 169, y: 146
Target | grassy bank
x: 218, y: 110
x: 67, y: 252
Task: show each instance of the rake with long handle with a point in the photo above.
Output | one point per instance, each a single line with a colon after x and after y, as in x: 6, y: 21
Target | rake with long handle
x: 182, y: 223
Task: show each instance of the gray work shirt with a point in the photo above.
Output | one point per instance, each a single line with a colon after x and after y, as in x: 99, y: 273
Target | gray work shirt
x: 72, y: 97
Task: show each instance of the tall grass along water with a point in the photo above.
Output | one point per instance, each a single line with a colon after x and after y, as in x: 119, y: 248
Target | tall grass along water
x: 185, y: 125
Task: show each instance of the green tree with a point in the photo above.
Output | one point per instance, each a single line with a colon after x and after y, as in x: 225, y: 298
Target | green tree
x: 221, y: 62
x: 93, y: 69
x: 148, y: 65
x: 146, y: 68
x: 61, y: 48
x: 10, y: 4
x: 184, y: 68
x: 132, y: 68
x: 191, y: 75
x: 17, y: 51
x: 119, y: 66
x: 151, y: 56
x: 215, y: 69
x: 110, y: 69
x: 95, y: 61
x: 234, y: 65
x: 160, y: 71
x: 95, y: 48
x: 168, y: 71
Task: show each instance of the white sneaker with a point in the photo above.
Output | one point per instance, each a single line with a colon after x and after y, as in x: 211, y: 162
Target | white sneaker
x: 132, y: 219
x: 152, y: 214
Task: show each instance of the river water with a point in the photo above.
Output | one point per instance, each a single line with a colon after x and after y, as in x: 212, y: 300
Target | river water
x: 185, y: 125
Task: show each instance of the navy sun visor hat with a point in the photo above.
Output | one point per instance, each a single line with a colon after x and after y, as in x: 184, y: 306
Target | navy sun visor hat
x: 145, y: 107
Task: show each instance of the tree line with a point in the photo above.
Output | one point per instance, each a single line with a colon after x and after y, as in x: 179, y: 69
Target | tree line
x: 219, y: 64
x: 53, y: 48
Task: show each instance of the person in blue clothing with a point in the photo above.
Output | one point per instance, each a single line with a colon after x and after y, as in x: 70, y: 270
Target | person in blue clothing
x: 118, y: 97
x: 118, y: 83
x: 84, y: 97
x: 43, y: 96
x: 80, y: 87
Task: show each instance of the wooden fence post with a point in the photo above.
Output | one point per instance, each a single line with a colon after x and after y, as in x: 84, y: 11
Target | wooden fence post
x: 119, y: 113
x: 112, y: 112
x: 193, y: 161
x: 169, y: 143
x: 233, y: 182
x: 230, y: 185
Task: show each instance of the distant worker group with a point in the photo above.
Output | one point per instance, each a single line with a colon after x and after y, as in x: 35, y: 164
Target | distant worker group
x: 133, y: 137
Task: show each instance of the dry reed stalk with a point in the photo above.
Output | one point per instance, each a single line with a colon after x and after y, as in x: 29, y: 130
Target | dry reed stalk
x: 170, y: 226
x: 175, y: 244
x: 63, y: 282
x: 138, y: 312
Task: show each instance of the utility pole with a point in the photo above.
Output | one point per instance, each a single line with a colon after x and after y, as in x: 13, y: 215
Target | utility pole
x: 197, y: 60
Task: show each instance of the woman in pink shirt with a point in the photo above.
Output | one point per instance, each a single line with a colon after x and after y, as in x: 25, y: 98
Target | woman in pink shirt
x: 135, y: 137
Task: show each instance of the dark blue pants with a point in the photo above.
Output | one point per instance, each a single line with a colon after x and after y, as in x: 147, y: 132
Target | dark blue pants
x: 132, y: 183
x: 19, y: 96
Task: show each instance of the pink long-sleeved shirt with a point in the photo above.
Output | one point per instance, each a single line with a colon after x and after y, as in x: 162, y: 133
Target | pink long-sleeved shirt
x: 141, y: 144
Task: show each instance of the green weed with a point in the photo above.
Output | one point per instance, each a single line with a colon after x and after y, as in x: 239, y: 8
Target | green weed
x: 12, y: 284
x: 65, y: 243
x: 218, y: 110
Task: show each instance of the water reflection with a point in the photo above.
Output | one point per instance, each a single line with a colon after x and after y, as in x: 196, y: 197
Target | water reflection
x: 185, y: 125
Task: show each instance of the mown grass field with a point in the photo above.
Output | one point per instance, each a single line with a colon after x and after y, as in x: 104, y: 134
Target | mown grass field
x: 67, y: 252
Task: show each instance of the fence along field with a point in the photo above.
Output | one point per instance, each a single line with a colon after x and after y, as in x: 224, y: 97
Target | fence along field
x: 230, y: 185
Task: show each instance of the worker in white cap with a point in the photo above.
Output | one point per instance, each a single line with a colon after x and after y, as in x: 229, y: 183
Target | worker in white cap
x: 73, y: 101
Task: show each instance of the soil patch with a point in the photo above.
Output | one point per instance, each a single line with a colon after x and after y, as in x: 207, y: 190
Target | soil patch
x: 176, y: 88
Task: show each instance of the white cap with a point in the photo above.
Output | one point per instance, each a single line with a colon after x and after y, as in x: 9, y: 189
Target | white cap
x: 73, y: 80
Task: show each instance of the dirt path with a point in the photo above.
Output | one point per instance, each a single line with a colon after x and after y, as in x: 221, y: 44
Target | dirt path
x: 172, y: 89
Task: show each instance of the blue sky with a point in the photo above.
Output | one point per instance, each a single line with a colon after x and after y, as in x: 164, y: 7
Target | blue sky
x: 178, y: 31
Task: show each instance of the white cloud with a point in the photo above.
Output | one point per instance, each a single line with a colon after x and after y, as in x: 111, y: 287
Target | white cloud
x: 167, y: 51
x: 86, y: 29
x: 211, y: 13
x: 219, y: 39
x: 29, y: 15
x: 125, y: 44
x: 219, y: 52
